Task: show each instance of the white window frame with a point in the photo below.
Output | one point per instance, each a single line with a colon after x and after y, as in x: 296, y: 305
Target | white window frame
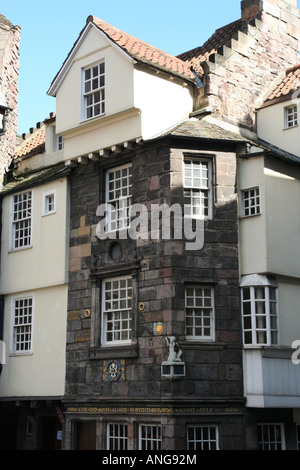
x: 269, y: 443
x: 17, y: 221
x: 90, y: 93
x: 45, y: 199
x: 205, y: 441
x: 251, y: 203
x: 260, y: 319
x: 152, y: 438
x: 199, y: 313
x: 59, y: 142
x: 198, y: 187
x: 16, y: 326
x: 119, y: 311
x: 119, y: 198
x: 116, y: 436
x: 291, y: 116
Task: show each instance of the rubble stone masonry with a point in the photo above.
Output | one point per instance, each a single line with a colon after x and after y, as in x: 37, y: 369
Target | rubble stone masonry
x: 160, y: 271
x: 9, y: 73
x: 240, y: 73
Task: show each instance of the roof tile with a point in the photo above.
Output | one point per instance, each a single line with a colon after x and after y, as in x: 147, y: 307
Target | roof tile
x: 33, y: 145
x: 143, y: 52
x: 197, y: 56
x: 289, y: 85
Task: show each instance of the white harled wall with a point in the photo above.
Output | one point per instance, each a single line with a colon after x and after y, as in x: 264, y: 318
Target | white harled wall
x: 41, y: 273
x: 138, y: 101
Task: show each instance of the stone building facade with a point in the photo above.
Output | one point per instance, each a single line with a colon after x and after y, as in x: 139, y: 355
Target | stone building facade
x: 154, y: 346
x: 210, y: 392
x: 125, y: 389
x: 9, y: 73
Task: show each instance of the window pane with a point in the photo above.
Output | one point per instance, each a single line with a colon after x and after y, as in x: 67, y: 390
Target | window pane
x: 199, y: 312
x: 119, y: 197
x: 117, y: 314
x: 94, y: 82
x: 251, y: 202
x: 197, y: 198
x: 22, y: 220
x: 259, y: 315
x: 202, y: 438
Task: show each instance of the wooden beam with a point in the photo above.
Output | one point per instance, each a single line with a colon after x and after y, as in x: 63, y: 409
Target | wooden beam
x: 116, y: 148
x: 104, y: 153
x: 94, y: 156
x: 128, y: 145
x: 83, y: 160
x: 70, y: 163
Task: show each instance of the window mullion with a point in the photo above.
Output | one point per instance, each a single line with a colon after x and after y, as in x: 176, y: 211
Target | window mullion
x: 268, y: 315
x: 253, y: 316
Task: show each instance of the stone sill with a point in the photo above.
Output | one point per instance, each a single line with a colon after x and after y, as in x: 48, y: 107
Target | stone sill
x: 202, y: 345
x: 114, y: 352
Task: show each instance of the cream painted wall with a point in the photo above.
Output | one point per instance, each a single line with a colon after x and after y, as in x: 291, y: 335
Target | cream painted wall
x: 102, y: 134
x: 289, y: 310
x: 252, y: 230
x: 282, y: 188
x: 138, y: 102
x: 164, y: 102
x: 270, y: 242
x: 118, y: 81
x: 42, y: 373
x: 271, y: 127
x: 45, y: 263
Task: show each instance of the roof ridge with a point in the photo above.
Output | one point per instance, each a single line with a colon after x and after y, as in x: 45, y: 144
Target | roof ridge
x: 292, y: 69
x: 219, y: 38
x: 142, y: 50
x: 284, y: 88
x: 95, y: 19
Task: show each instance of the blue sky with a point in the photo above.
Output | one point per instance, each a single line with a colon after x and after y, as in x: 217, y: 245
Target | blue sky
x: 49, y: 30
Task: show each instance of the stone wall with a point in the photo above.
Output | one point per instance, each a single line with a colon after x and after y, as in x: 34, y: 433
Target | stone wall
x: 9, y: 73
x: 160, y: 270
x: 239, y: 75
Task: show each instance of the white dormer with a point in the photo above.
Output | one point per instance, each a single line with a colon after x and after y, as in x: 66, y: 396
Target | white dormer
x: 114, y: 88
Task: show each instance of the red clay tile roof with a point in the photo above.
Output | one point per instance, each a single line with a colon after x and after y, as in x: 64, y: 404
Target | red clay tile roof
x: 201, y: 54
x: 33, y: 145
x: 143, y: 52
x: 287, y: 86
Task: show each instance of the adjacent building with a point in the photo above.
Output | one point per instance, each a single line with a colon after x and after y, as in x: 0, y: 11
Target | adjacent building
x: 268, y: 185
x: 164, y: 285
x: 9, y: 73
x: 34, y: 275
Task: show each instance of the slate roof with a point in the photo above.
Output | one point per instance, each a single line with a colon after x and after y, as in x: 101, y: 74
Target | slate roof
x: 143, y: 52
x: 5, y: 21
x: 203, y: 130
x: 285, y: 89
x: 34, y: 178
x: 220, y: 37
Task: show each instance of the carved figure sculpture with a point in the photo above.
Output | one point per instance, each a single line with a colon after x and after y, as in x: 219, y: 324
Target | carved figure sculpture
x: 174, y: 350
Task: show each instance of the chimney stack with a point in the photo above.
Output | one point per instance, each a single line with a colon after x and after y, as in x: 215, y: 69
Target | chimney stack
x: 253, y: 8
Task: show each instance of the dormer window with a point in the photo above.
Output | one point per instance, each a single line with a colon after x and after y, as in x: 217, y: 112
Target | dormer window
x: 94, y: 91
x: 291, y: 116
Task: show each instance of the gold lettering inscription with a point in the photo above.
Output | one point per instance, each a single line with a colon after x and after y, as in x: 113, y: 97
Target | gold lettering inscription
x: 152, y: 410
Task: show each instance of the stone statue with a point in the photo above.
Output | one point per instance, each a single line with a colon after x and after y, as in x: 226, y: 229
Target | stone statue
x: 174, y: 350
